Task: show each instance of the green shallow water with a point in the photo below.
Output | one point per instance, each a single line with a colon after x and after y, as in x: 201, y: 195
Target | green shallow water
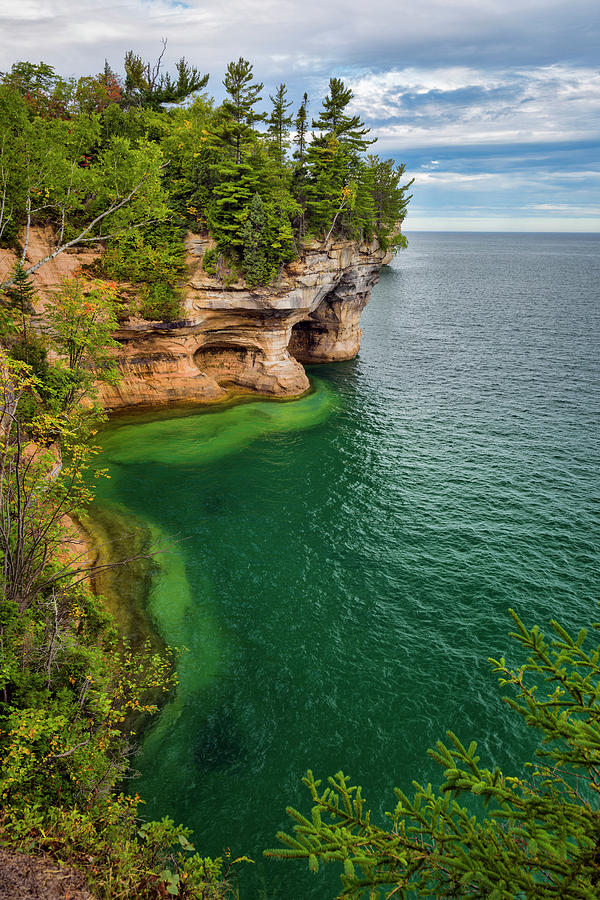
x: 340, y: 566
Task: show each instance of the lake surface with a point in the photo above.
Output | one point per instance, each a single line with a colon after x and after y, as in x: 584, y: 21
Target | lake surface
x: 345, y: 562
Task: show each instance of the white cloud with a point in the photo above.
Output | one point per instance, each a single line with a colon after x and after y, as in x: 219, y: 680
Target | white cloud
x: 458, y: 178
x: 518, y: 182
x: 571, y: 209
x: 286, y: 36
x: 464, y: 106
x: 430, y: 76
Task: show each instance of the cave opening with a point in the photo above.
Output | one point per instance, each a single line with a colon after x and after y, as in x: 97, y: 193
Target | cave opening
x: 227, y: 362
x: 305, y: 338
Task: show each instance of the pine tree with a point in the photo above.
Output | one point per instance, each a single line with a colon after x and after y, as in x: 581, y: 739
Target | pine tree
x: 254, y: 236
x: 299, y: 172
x: 147, y: 85
x: 232, y: 197
x: 234, y: 169
x: 349, y: 130
x: 279, y: 123
x: 389, y: 198
x: 329, y: 169
x: 301, y: 124
x: 244, y: 94
x: 20, y: 296
x: 536, y: 834
x: 335, y: 167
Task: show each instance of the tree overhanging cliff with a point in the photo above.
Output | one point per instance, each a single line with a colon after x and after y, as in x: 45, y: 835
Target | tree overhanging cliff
x: 114, y: 162
x: 248, y: 242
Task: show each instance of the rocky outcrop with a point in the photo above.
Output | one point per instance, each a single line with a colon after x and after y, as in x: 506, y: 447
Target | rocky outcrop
x: 237, y: 339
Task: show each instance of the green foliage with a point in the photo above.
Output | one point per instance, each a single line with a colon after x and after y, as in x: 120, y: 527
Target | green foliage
x: 146, y: 256
x: 31, y: 78
x: 17, y: 306
x: 389, y: 198
x: 535, y: 834
x: 69, y: 685
x: 98, y: 160
x: 119, y: 858
x: 301, y: 124
x: 153, y: 260
x: 333, y: 121
x: 255, y: 236
x: 238, y: 108
x: 44, y: 92
x: 14, y: 128
x: 279, y: 124
x: 80, y: 326
x: 54, y: 174
x: 209, y: 261
x: 159, y: 303
x: 237, y: 184
x: 146, y: 85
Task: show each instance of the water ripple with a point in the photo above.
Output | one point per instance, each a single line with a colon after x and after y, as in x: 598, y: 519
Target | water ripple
x: 360, y: 555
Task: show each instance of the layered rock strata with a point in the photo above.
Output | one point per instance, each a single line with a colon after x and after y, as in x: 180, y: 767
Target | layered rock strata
x: 237, y: 339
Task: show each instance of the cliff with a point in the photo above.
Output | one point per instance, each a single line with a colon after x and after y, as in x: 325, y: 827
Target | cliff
x: 236, y: 339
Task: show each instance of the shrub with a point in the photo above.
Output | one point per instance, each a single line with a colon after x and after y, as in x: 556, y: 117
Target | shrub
x: 209, y: 261
x: 153, y: 256
x: 159, y: 303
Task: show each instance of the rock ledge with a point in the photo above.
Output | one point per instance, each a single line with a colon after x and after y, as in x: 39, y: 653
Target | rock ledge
x: 234, y: 339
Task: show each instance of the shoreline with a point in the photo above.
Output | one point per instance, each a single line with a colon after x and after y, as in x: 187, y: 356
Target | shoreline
x: 182, y: 408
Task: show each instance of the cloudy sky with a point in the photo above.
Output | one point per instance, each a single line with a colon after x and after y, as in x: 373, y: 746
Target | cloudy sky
x: 494, y: 105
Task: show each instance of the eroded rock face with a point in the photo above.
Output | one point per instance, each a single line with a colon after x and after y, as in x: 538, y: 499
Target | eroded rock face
x: 234, y: 338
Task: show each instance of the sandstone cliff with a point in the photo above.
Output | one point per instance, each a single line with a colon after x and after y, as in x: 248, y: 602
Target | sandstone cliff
x: 236, y: 339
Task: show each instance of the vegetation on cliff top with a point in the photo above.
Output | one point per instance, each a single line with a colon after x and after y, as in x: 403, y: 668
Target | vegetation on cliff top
x: 123, y: 163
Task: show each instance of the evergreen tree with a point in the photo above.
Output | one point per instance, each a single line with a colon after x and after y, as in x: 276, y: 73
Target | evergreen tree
x: 329, y: 169
x: 20, y: 296
x: 301, y: 124
x: 147, y: 85
x: 232, y: 195
x: 349, y: 130
x: 244, y: 94
x: 390, y: 200
x: 279, y: 123
x: 536, y: 834
x: 236, y: 179
x: 299, y: 171
x: 254, y: 237
x: 335, y: 168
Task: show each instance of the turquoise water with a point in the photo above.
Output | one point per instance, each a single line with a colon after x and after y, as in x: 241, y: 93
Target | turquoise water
x: 344, y: 562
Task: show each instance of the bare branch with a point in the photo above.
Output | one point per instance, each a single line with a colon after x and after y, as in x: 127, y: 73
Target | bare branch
x: 71, y: 751
x: 81, y: 236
